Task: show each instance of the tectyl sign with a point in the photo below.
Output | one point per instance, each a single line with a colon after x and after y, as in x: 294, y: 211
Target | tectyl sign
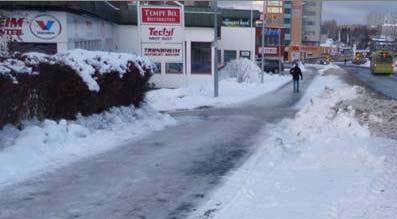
x: 45, y: 27
x: 166, y: 34
x: 162, y: 33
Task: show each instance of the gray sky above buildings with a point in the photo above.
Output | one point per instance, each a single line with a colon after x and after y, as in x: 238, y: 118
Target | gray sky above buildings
x: 344, y: 12
x: 354, y: 12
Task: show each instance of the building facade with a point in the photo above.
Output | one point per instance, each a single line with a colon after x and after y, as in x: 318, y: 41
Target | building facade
x: 311, y: 22
x: 52, y: 27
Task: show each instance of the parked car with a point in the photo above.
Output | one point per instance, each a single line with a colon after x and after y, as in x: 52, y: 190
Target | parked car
x: 270, y: 65
x: 324, y: 62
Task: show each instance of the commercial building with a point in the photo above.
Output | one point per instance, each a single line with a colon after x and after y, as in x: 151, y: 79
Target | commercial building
x: 56, y: 26
x: 300, y: 24
x: 311, y: 24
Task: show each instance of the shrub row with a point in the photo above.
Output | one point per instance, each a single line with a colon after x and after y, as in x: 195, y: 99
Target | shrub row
x: 54, y: 90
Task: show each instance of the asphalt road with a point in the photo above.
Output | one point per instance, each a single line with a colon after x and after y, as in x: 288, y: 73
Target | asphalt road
x: 164, y: 175
x: 384, y: 84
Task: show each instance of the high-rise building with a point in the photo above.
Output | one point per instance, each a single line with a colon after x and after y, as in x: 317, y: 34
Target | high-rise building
x: 287, y: 21
x: 311, y: 22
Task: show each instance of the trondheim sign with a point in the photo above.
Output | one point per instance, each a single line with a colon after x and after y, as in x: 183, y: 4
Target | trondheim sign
x: 162, y: 33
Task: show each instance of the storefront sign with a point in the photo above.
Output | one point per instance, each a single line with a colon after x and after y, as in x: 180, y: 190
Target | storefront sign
x: 168, y: 34
x: 33, y: 26
x: 230, y: 22
x: 167, y: 52
x: 45, y: 27
x: 269, y: 50
x: 162, y: 33
x: 11, y: 26
x: 166, y: 15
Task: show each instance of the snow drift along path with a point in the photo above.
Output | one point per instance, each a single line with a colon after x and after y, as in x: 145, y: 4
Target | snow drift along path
x: 44, y: 146
x: 322, y: 164
x: 240, y: 81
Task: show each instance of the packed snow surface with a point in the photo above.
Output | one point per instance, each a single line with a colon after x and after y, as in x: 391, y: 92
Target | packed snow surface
x: 321, y: 164
x: 240, y: 82
x: 43, y: 146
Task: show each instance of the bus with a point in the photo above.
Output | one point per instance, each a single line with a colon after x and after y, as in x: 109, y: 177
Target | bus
x: 382, y: 62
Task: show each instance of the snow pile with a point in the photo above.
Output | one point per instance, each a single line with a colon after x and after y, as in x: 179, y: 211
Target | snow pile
x: 43, y: 146
x: 243, y: 70
x: 200, y: 94
x: 323, y: 69
x: 86, y: 63
x: 322, y: 164
x: 380, y: 114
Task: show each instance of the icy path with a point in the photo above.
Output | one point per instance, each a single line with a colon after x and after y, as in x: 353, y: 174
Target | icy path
x: 162, y: 175
x: 322, y: 165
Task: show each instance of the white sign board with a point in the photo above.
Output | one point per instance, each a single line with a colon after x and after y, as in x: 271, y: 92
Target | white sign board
x: 268, y: 50
x: 162, y: 32
x: 33, y: 26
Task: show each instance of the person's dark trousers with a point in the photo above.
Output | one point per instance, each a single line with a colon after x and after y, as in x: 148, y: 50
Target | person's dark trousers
x: 296, y: 86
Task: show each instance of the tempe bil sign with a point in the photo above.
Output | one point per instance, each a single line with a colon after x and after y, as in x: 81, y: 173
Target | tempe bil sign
x: 162, y: 33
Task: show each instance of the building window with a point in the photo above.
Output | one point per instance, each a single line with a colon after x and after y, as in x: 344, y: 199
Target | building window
x: 309, y: 23
x: 245, y: 54
x: 274, y: 10
x: 201, y: 58
x: 174, y: 68
x: 229, y: 55
x: 157, y: 69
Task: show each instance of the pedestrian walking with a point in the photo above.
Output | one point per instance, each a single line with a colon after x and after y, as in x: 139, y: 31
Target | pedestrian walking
x: 296, y: 72
x: 345, y: 61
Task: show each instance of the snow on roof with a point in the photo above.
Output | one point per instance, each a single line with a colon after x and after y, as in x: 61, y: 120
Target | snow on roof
x: 85, y: 63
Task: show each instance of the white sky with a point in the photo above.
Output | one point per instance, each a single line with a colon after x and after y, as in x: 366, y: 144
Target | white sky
x: 346, y: 12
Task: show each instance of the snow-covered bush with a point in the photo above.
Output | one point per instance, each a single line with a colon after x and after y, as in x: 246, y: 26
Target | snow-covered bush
x: 62, y: 85
x: 243, y: 70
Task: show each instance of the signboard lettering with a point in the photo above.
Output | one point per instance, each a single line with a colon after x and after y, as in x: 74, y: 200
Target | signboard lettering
x: 152, y: 15
x: 162, y: 33
x: 11, y: 26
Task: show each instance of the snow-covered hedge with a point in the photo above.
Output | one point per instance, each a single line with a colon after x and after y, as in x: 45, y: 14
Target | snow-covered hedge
x: 62, y: 85
x: 243, y: 70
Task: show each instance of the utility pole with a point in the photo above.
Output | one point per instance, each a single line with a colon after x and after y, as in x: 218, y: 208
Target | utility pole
x: 216, y: 78
x: 279, y: 51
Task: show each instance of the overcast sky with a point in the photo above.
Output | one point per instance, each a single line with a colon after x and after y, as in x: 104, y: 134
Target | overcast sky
x: 345, y: 12
x: 351, y: 12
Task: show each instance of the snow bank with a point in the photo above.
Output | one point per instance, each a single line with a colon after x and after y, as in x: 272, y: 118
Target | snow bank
x: 242, y: 70
x: 199, y: 94
x: 322, y: 164
x: 44, y: 146
x: 85, y: 63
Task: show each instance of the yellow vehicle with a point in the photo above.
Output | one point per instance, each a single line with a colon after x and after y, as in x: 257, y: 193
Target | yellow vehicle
x: 327, y: 57
x: 358, y: 58
x: 382, y: 62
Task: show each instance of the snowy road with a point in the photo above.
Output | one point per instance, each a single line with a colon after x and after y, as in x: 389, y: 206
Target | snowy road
x: 385, y: 84
x: 161, y: 176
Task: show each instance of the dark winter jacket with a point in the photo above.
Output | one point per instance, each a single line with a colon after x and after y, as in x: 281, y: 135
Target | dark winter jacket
x: 296, y: 72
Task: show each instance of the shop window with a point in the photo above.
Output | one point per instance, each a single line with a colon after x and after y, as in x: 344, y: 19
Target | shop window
x: 157, y: 68
x: 245, y: 54
x: 201, y: 58
x: 229, y: 55
x: 174, y: 68
x: 48, y: 48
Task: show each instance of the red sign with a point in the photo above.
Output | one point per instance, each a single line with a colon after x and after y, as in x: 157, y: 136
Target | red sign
x: 11, y: 26
x: 152, y: 15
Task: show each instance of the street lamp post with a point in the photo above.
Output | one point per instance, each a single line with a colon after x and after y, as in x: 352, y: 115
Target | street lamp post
x: 263, y: 43
x: 216, y: 78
